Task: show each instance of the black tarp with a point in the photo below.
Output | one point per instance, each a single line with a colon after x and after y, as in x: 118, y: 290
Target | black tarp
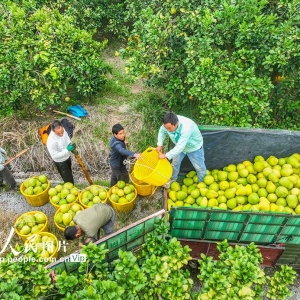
x: 230, y: 145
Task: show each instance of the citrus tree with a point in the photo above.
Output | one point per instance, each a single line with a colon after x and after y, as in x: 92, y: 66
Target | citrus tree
x: 42, y: 53
x: 238, y: 61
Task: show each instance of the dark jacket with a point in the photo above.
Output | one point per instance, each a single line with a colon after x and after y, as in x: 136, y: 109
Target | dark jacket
x: 118, y: 153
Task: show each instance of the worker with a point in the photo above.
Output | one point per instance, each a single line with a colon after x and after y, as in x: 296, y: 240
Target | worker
x: 59, y: 146
x: 188, y: 140
x: 5, y: 174
x: 119, y: 154
x: 89, y: 223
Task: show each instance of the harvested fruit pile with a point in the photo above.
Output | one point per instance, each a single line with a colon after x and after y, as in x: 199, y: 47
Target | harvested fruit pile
x: 262, y: 185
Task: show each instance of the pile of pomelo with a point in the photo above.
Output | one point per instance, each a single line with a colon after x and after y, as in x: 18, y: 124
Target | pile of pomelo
x: 271, y: 185
x: 63, y: 194
x: 122, y: 192
x: 29, y: 224
x: 44, y: 244
x: 35, y: 185
x: 92, y: 195
x: 65, y: 214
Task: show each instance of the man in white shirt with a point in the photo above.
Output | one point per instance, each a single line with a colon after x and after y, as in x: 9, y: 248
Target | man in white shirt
x: 59, y: 147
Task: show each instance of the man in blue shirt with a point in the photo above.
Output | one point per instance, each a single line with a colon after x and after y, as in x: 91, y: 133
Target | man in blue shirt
x: 118, y: 154
x: 188, y: 140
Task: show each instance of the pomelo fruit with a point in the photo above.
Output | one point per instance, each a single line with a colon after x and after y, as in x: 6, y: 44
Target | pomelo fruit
x: 191, y: 174
x: 214, y: 186
x: 127, y: 190
x: 121, y: 184
x: 175, y: 186
x: 231, y: 203
x: 68, y: 185
x: 70, y: 198
x: 103, y: 195
x: 253, y: 198
x: 25, y: 230
x: 281, y: 191
x: 281, y: 201
x: 222, y: 175
x: 222, y: 199
x: 208, y: 179
x: 230, y: 193
x: 223, y: 185
x: 114, y: 197
x: 223, y: 206
x: 40, y: 218
x: 97, y: 199
x: 211, y: 194
x: 122, y: 200
x: 188, y: 181
x: 233, y: 176
x: 285, y: 181
x: 195, y: 193
x: 292, y: 201
x: 272, y: 197
x: 213, y: 202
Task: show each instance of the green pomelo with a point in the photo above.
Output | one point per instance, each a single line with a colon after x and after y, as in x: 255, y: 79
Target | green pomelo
x: 289, y: 210
x: 262, y: 182
x: 271, y: 187
x: 241, y: 190
x: 31, y: 182
x: 195, y: 193
x: 258, y: 166
x: 196, y: 179
x: 208, y: 179
x: 114, y: 197
x: 223, y: 206
x: 240, y: 166
x: 273, y: 177
x: 241, y: 199
x: 253, y: 198
x: 38, y: 190
x: 25, y: 230
x: 179, y: 203
x: 230, y: 193
x: 238, y: 208
x: 264, y: 206
x: 222, y: 175
x: 202, y: 202
x: 70, y: 198
x: 242, y: 181
x: 295, y: 191
x: 247, y: 207
x: 67, y: 218
x: 190, y: 200
x: 30, y: 220
x: 191, y: 188
x: 260, y: 175
x: 29, y: 191
x: 233, y: 176
x: 35, y: 229
x: 40, y: 218
x: 62, y: 201
x: 42, y: 178
x: 231, y: 203
x: 191, y: 174
x: 75, y: 207
x: 127, y: 190
x: 211, y: 194
x: 64, y: 208
x: 122, y: 200
x: 254, y: 187
x: 249, y: 189
x: 201, y: 185
x: 292, y: 201
x: 68, y: 185
x: 281, y: 201
x: 243, y: 172
x: 286, y: 171
x: 222, y: 199
x: 297, y: 210
x: 262, y: 192
x: 74, y: 191
x: 103, y: 195
x: 203, y: 191
x: 272, y: 197
x: 251, y: 170
x: 213, y: 202
x: 175, y: 186
x: 172, y: 195
x: 96, y: 200
x: 281, y: 161
x: 255, y: 207
x: 272, y: 160
x: 258, y: 158
x: 130, y: 197
x: 58, y: 187
x: 64, y: 193
x: 281, y: 191
x: 293, y: 161
x: 232, y: 184
x: 188, y: 181
x: 223, y: 185
x: 230, y: 168
x: 184, y: 188
x: 214, y: 186
x: 121, y: 184
x: 285, y: 181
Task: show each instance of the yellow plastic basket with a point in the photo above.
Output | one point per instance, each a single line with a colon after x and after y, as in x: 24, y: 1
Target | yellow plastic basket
x: 142, y: 188
x: 24, y: 237
x: 151, y: 169
x: 36, y: 200
x: 55, y: 252
x: 123, y: 207
x: 88, y: 188
x: 58, y: 211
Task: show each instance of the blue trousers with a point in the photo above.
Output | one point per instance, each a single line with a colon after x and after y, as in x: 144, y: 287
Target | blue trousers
x: 197, y: 160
